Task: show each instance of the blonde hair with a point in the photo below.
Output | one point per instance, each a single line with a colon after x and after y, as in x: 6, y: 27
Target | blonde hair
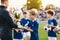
x: 33, y: 12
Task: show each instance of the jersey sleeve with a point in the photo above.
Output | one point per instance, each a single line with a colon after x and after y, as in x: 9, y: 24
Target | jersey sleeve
x: 55, y: 22
x: 21, y: 22
x: 35, y: 29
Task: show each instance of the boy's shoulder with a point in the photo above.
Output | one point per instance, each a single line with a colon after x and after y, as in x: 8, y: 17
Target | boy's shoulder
x: 22, y: 18
x: 36, y: 22
x: 53, y: 19
x: 32, y: 21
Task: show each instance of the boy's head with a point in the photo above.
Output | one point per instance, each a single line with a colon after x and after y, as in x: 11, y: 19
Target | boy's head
x: 4, y: 3
x: 25, y: 14
x: 33, y: 13
x: 50, y: 13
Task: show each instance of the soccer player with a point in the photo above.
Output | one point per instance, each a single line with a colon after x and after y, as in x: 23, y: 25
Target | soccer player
x: 17, y: 34
x: 24, y: 22
x: 53, y: 24
x: 33, y: 24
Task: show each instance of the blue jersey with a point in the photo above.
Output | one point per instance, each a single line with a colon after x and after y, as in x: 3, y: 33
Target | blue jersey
x: 17, y: 35
x: 24, y: 22
x: 54, y: 23
x: 34, y: 26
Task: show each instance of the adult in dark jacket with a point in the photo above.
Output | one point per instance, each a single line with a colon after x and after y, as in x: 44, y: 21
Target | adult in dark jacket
x: 6, y: 22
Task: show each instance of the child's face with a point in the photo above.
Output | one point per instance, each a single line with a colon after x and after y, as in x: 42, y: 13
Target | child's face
x: 31, y: 16
x: 48, y: 16
x: 25, y: 15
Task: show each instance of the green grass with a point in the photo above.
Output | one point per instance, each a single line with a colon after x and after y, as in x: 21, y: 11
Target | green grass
x: 43, y: 35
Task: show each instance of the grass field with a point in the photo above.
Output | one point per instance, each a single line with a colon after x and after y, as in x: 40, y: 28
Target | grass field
x: 43, y: 34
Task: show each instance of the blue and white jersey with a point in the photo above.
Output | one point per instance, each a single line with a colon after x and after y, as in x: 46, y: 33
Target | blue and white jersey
x: 24, y: 22
x: 52, y: 22
x: 17, y: 35
x: 34, y: 26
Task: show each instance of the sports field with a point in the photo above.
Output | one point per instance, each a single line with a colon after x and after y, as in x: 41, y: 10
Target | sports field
x: 43, y: 34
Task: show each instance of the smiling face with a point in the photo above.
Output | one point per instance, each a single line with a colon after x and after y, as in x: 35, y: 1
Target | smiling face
x: 32, y: 16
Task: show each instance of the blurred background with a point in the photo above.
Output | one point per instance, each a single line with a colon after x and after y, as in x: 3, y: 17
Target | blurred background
x: 42, y: 6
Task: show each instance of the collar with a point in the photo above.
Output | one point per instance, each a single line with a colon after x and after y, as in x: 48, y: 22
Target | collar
x: 3, y: 7
x: 34, y: 20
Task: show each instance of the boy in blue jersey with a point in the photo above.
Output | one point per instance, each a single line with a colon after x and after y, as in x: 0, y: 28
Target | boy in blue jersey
x: 17, y: 34
x: 53, y: 24
x: 24, y: 22
x: 33, y: 24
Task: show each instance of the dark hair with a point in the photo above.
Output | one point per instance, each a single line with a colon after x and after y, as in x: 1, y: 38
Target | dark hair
x: 2, y: 1
x: 24, y: 12
x: 51, y: 13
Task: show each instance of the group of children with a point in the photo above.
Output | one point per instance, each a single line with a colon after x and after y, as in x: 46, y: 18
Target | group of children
x: 31, y: 27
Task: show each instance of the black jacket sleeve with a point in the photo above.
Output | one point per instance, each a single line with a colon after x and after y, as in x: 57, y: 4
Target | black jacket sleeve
x: 9, y: 20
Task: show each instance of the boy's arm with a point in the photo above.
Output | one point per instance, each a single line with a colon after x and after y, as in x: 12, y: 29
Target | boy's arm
x: 26, y: 28
x: 35, y: 27
x: 54, y: 23
x: 30, y: 30
x: 51, y: 26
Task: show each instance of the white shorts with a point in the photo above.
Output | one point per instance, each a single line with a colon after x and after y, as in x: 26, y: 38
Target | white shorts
x: 52, y: 38
x: 26, y: 34
x: 17, y: 39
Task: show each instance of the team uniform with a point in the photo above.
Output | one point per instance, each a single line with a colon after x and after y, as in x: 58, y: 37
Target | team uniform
x: 17, y: 35
x: 34, y: 26
x: 51, y: 33
x: 24, y: 22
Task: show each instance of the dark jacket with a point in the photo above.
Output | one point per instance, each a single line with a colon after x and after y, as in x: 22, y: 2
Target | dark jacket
x: 6, y: 23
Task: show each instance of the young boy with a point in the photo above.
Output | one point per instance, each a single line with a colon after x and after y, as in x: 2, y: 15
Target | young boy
x: 33, y: 24
x: 17, y: 34
x: 53, y: 24
x: 24, y: 22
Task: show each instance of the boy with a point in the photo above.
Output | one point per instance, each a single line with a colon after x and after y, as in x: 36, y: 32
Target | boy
x: 24, y: 22
x: 17, y: 34
x: 51, y: 23
x: 33, y: 24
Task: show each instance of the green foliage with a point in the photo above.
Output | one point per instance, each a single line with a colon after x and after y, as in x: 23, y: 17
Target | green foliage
x: 34, y: 4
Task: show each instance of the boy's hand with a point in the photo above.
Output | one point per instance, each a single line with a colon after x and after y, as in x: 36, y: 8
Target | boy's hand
x: 55, y: 30
x: 17, y: 30
x: 21, y: 30
x: 49, y: 26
